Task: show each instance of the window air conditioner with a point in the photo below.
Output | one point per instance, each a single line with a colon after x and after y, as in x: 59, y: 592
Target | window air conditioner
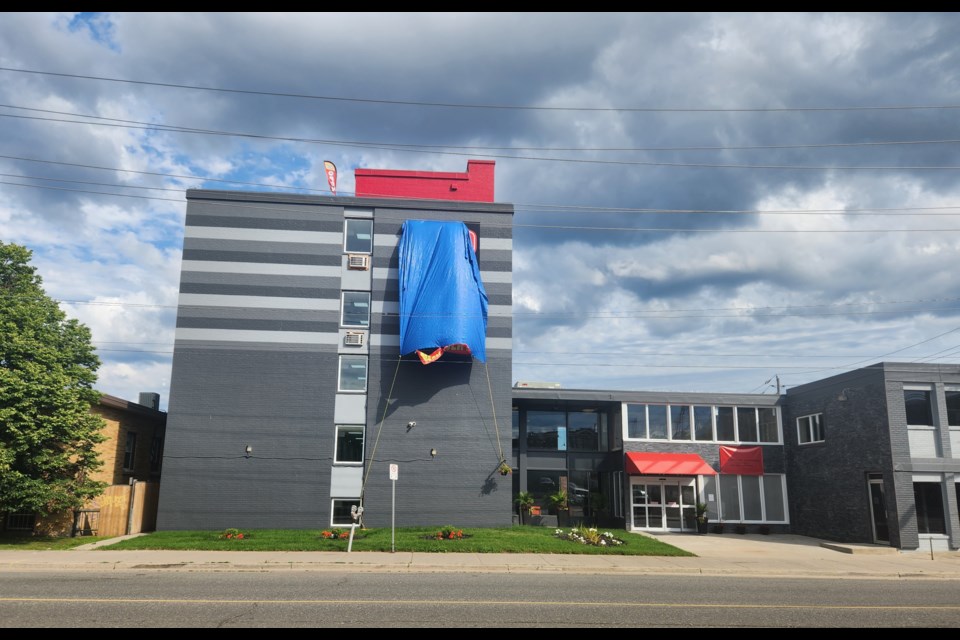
x: 353, y: 339
x: 358, y: 261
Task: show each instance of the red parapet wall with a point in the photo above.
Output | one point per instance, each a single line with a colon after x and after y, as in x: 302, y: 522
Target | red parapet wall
x: 476, y: 185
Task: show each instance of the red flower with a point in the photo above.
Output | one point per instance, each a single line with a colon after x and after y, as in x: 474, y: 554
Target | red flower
x: 229, y: 535
x: 239, y: 536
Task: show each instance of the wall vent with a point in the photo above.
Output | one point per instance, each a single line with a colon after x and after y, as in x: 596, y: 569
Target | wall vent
x: 358, y: 261
x: 353, y: 339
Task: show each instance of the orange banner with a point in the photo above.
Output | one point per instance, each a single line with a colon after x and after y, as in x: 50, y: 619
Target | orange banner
x: 331, y: 170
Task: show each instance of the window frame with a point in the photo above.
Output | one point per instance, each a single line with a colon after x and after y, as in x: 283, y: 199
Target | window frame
x: 344, y: 359
x: 333, y: 511
x: 336, y: 444
x: 810, y: 429
x: 346, y: 235
x: 130, y: 451
x: 343, y: 310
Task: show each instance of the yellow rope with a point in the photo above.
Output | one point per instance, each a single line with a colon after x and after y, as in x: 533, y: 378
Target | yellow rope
x: 373, y: 454
x: 493, y: 409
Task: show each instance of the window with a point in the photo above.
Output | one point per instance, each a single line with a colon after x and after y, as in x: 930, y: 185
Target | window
x: 358, y: 235
x: 637, y: 421
x: 752, y: 498
x: 582, y: 431
x: 917, y: 403
x: 349, y: 444
x: 725, y: 423
x: 355, y: 309
x: 130, y: 451
x: 515, y: 430
x: 657, y: 421
x: 353, y: 373
x: 679, y: 422
x: 544, y: 430
x: 340, y: 514
x: 953, y: 407
x: 769, y: 430
x: 156, y: 453
x: 810, y: 428
x: 747, y: 424
x: 703, y: 423
x: 928, y: 499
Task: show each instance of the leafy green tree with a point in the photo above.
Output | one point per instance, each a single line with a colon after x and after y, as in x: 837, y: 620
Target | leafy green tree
x: 48, y: 367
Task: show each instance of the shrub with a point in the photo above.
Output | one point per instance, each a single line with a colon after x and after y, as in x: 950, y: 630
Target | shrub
x: 589, y: 535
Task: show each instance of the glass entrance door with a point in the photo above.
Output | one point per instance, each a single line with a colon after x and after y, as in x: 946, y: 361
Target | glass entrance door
x: 660, y: 504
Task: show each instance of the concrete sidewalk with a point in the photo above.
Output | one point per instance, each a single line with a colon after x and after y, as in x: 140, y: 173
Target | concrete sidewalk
x: 743, y: 555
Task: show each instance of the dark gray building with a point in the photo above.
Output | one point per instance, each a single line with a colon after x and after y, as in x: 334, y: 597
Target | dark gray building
x: 289, y: 400
x: 873, y: 455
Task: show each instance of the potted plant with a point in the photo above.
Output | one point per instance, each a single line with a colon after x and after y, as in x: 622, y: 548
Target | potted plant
x: 702, y: 520
x: 558, y: 505
x: 504, y: 468
x: 524, y: 501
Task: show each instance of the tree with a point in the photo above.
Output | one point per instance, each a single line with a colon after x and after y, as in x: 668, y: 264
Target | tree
x: 48, y: 367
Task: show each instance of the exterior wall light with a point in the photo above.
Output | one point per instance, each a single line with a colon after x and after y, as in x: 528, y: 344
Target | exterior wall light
x: 248, y: 451
x: 433, y: 453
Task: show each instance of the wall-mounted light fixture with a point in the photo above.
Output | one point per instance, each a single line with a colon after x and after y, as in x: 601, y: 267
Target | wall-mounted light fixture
x: 843, y: 397
x: 248, y: 451
x: 411, y: 425
x: 433, y: 453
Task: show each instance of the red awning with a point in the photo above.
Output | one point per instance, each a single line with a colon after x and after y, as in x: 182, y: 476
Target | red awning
x: 667, y: 464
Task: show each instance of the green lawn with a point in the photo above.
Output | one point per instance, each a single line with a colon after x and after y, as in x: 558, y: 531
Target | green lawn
x: 10, y: 541
x: 516, y: 539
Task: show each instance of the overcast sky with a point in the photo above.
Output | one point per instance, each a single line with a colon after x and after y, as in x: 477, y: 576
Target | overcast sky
x: 704, y: 202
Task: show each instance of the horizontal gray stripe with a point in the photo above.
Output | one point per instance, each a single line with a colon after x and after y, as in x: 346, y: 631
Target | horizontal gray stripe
x: 190, y: 301
x: 259, y: 279
x: 186, y: 346
x: 305, y: 223
x: 264, y: 258
x: 255, y: 246
x: 265, y: 207
x: 391, y: 326
x: 258, y: 325
x: 241, y: 335
x: 257, y: 313
x: 393, y: 263
x: 262, y: 268
x: 244, y: 290
x: 491, y: 225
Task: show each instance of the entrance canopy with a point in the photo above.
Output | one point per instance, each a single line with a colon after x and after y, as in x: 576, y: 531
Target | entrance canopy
x: 667, y: 464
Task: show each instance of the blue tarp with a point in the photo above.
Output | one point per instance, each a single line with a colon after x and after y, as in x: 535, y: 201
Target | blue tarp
x: 442, y: 300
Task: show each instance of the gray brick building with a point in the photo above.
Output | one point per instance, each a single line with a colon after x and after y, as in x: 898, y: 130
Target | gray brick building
x: 289, y: 400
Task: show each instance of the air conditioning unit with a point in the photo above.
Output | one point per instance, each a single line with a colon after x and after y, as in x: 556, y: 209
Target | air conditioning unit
x: 358, y: 261
x: 353, y: 339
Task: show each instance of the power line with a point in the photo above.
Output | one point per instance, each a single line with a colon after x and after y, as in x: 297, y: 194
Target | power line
x: 413, y: 146
x: 947, y: 210
x: 628, y: 163
x: 454, y: 105
x: 529, y: 226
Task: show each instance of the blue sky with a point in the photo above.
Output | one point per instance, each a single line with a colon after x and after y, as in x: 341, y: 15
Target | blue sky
x: 704, y: 202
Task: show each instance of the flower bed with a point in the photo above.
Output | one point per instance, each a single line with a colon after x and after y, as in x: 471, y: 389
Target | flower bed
x: 233, y: 534
x: 335, y: 534
x: 589, y: 535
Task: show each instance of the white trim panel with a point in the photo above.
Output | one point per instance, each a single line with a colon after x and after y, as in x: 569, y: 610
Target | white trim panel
x: 265, y: 235
x: 249, y: 335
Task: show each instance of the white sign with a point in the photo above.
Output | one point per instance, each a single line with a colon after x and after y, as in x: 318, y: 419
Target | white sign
x: 394, y: 471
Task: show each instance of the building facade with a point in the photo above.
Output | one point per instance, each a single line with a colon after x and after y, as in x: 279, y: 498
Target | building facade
x: 290, y: 403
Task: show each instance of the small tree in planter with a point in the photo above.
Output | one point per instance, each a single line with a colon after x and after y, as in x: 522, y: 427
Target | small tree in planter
x: 559, y: 505
x: 702, y: 520
x: 524, y: 501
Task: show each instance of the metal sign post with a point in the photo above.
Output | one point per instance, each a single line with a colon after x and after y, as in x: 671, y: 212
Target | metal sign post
x: 394, y: 473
